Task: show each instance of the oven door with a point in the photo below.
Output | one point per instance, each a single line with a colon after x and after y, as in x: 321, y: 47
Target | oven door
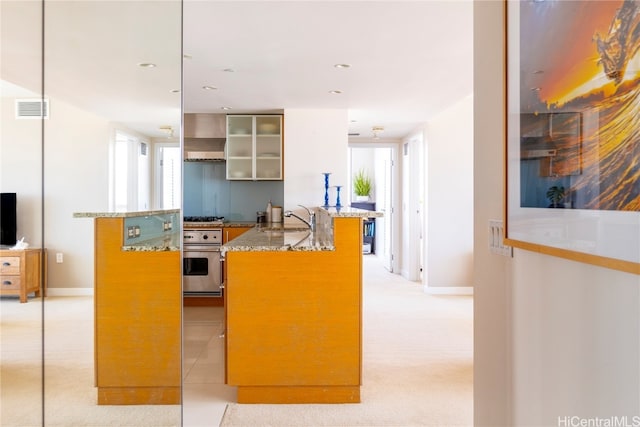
x: 201, y: 271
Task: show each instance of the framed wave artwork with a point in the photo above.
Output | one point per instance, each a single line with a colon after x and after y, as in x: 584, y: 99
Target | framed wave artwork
x: 573, y: 130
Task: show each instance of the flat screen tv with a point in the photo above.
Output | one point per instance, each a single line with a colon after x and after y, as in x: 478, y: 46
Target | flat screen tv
x: 8, y: 223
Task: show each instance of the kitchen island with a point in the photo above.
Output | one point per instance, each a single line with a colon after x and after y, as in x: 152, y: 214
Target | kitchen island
x: 293, y: 311
x: 137, y: 301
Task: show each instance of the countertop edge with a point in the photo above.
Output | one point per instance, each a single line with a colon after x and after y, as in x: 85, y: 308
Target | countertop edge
x: 283, y: 248
x: 256, y: 240
x: 349, y: 212
x: 124, y: 214
x: 150, y: 248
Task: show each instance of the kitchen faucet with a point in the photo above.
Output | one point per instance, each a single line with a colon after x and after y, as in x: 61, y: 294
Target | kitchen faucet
x: 312, y: 217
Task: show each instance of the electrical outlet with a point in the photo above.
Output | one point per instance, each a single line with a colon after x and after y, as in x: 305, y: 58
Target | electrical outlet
x: 59, y: 258
x: 131, y: 232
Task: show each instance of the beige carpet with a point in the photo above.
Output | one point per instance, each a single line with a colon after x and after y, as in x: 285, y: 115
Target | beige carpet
x: 417, y: 367
x: 70, y: 395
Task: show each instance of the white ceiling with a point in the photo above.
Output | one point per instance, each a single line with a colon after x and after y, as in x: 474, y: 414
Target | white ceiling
x: 409, y: 60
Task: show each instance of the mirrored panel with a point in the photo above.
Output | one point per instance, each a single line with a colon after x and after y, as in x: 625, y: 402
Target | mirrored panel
x: 112, y: 79
x: 107, y: 75
x: 20, y: 214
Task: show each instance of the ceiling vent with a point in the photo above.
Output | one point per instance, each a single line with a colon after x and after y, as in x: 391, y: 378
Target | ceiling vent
x: 32, y: 108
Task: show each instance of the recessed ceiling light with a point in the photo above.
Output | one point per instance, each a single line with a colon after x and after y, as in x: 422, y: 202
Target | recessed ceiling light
x: 225, y: 108
x: 209, y: 87
x: 342, y: 65
x: 354, y: 121
x: 175, y: 90
x: 146, y: 65
x: 229, y: 70
x: 335, y: 92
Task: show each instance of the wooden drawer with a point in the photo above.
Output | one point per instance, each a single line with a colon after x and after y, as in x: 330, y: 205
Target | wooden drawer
x: 10, y: 283
x: 9, y: 265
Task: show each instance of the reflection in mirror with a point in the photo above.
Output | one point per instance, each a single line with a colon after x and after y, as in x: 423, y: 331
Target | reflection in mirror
x: 97, y: 92
x: 20, y: 175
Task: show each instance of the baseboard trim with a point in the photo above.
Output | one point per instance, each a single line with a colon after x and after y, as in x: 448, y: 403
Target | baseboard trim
x: 449, y: 290
x: 69, y: 292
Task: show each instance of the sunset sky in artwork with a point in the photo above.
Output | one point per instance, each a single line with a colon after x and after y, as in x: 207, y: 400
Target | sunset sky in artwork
x: 570, y: 59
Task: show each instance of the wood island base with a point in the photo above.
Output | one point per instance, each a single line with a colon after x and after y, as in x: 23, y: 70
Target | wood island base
x: 304, y: 394
x: 138, y: 395
x: 294, y: 321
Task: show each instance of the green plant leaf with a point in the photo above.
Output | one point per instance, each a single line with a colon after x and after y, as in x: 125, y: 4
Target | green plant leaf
x: 361, y: 183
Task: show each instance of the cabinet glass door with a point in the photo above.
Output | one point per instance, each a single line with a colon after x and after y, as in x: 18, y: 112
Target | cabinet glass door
x: 240, y: 147
x: 269, y: 147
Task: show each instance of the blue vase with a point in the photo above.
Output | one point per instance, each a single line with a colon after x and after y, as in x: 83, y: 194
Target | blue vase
x: 338, y: 187
x: 326, y: 188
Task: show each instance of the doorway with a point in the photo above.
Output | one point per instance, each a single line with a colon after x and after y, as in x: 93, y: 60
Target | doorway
x: 379, y: 161
x: 413, y: 220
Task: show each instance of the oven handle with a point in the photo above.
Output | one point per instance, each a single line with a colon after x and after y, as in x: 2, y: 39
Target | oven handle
x: 202, y: 248
x: 222, y: 272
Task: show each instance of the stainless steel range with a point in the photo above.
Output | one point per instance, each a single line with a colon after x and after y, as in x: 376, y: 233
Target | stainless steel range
x: 201, y: 267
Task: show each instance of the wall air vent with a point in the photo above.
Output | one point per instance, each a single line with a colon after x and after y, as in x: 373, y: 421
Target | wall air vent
x: 33, y: 108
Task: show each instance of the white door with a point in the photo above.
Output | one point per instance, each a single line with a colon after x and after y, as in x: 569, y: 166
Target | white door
x: 384, y: 175
x: 411, y: 210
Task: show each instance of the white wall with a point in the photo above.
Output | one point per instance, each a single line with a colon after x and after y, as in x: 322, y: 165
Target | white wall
x: 315, y: 141
x: 492, y: 355
x: 75, y: 179
x: 21, y: 170
x: 449, y: 197
x: 553, y: 337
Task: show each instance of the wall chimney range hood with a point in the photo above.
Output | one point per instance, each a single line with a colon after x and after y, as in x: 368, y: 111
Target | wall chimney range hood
x: 204, y: 137
x: 204, y: 156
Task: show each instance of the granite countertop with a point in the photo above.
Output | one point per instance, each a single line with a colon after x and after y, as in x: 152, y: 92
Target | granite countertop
x: 280, y: 238
x: 208, y: 225
x: 123, y: 214
x: 349, y: 212
x: 239, y: 224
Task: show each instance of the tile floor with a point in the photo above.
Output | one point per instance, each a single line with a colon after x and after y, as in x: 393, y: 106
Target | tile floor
x: 205, y: 395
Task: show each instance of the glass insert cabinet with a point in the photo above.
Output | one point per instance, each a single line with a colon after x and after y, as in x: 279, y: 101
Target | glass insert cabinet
x: 254, y: 147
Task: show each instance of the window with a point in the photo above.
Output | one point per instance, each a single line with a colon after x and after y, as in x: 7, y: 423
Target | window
x: 129, y: 176
x: 168, y: 172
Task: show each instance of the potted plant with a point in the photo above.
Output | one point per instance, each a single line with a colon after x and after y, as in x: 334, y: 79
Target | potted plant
x: 362, y: 186
x: 556, y: 194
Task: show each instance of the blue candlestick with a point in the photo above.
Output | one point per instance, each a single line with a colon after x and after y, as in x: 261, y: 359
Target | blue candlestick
x: 338, y: 195
x: 326, y: 188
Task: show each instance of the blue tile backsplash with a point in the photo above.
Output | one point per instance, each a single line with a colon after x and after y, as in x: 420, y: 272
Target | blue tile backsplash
x: 207, y: 192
